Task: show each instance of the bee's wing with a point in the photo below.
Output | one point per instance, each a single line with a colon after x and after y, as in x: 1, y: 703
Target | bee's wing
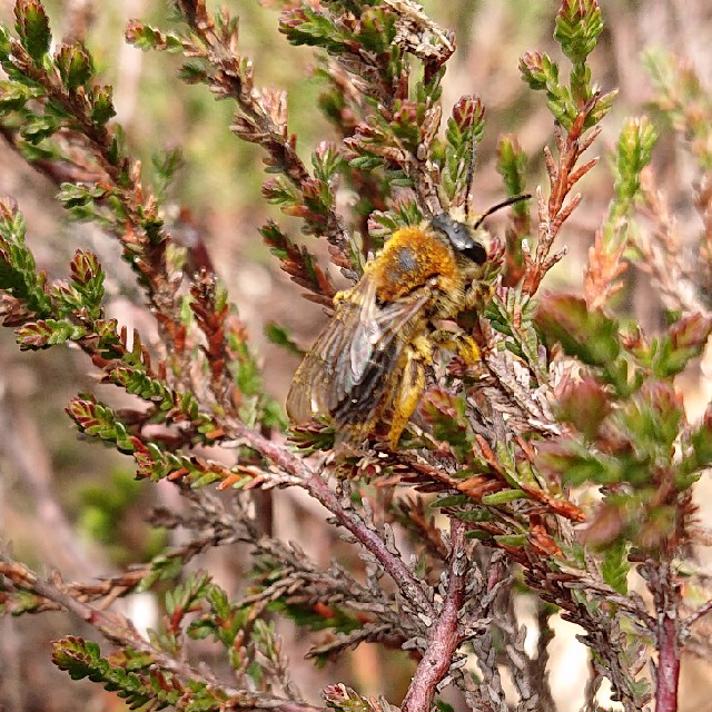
x: 356, y: 349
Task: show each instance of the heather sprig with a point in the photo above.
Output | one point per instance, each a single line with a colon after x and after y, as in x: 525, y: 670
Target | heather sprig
x: 552, y: 466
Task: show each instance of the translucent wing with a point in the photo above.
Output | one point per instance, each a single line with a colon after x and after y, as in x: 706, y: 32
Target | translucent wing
x: 344, y: 373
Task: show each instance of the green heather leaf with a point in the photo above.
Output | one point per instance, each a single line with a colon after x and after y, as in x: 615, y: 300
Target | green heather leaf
x: 146, y: 37
x: 19, y: 275
x: 99, y: 421
x: 503, y: 497
x: 575, y: 463
x: 587, y: 334
x: 127, y: 673
x: 75, y: 65
x: 578, y: 26
x: 32, y: 25
x: 445, y: 413
x: 278, y: 335
x: 48, y: 332
x: 633, y: 153
x: 512, y: 166
x: 654, y: 418
x: 615, y: 566
x: 102, y: 104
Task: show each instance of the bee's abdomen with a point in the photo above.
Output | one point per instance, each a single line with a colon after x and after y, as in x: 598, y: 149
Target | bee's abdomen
x: 361, y: 403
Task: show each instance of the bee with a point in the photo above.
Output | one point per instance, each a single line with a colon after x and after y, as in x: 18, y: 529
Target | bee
x: 369, y: 362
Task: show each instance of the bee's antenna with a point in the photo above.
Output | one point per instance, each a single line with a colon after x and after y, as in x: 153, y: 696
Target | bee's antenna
x: 470, y: 178
x: 499, y: 206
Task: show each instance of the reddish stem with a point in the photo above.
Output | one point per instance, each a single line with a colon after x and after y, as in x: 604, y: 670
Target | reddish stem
x: 445, y: 634
x: 668, y: 665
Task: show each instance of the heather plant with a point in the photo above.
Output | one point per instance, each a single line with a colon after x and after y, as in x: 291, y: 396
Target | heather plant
x: 559, y: 468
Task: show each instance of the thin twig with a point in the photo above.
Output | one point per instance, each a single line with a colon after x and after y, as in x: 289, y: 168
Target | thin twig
x: 699, y: 613
x: 118, y: 630
x: 411, y: 589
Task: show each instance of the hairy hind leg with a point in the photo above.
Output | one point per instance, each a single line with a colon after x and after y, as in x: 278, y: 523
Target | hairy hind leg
x: 410, y: 387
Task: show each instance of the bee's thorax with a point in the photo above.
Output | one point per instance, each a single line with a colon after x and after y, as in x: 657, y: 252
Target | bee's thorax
x: 411, y: 257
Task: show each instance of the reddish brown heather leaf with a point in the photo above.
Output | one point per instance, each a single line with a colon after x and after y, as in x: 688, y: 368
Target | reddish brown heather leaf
x: 606, y: 525
x: 600, y: 282
x: 488, y: 455
x: 691, y: 332
x: 584, y: 403
x: 442, y: 401
x: 195, y: 12
x: 663, y: 397
x: 540, y: 538
x: 467, y: 111
x: 84, y: 266
x: 13, y: 312
x: 215, y: 434
x: 562, y: 507
x: 515, y: 553
x: 478, y: 486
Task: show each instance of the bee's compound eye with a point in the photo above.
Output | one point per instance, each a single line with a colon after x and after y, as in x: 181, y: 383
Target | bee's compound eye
x: 476, y: 253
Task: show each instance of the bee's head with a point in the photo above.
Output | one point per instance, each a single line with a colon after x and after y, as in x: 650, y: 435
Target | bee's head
x: 461, y: 237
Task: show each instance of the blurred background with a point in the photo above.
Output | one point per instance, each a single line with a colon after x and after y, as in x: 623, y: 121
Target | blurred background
x: 76, y: 507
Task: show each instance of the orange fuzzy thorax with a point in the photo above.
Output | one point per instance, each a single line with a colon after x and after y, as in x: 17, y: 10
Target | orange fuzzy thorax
x: 409, y: 258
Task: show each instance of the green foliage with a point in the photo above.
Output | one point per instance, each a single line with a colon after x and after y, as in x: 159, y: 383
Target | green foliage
x: 501, y: 444
x: 278, y: 335
x: 138, y: 383
x: 633, y: 153
x: 615, y: 566
x: 342, y: 698
x: 464, y: 132
x: 541, y: 73
x: 19, y: 275
x: 447, y: 417
x: 578, y: 26
x: 146, y: 37
x: 512, y: 166
x: 99, y: 421
x: 304, y: 26
x: 105, y: 508
x: 368, y: 40
x: 633, y: 445
x: 102, y: 108
x: 32, y: 25
x: 682, y: 102
x: 48, y: 332
x: 166, y: 164
x: 75, y: 66
x: 669, y: 354
x: 142, y: 687
x: 589, y: 335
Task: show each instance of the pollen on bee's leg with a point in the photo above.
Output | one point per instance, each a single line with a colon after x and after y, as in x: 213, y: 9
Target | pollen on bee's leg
x: 410, y: 389
x: 423, y: 348
x: 468, y: 350
x: 341, y: 296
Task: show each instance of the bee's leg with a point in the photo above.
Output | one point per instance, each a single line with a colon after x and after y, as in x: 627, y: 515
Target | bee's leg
x: 342, y: 296
x: 459, y: 342
x: 410, y: 387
